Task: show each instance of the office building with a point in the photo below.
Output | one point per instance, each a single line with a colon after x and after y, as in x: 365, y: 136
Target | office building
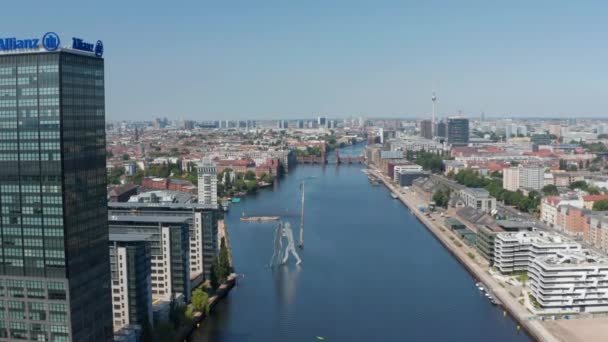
x: 442, y: 129
x: 282, y: 124
x: 130, y: 262
x: 202, y: 226
x: 321, y: 121
x: 55, y: 266
x: 207, y: 182
x: 541, y: 139
x: 486, y: 236
x: 426, y: 129
x: 478, y: 198
x: 170, y: 250
x: 458, y: 131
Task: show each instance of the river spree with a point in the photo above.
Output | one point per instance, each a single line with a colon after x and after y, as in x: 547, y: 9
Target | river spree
x: 370, y: 271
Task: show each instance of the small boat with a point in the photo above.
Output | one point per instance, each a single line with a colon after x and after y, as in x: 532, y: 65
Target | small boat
x: 493, y: 301
x: 236, y: 200
x: 394, y: 195
x: 320, y: 338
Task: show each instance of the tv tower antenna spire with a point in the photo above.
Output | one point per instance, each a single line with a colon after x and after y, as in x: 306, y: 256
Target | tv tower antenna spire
x: 433, y: 123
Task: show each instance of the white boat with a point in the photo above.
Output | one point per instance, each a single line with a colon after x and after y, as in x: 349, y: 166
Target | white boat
x: 393, y: 195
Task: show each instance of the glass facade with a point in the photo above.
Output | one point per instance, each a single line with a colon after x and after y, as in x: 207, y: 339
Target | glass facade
x: 138, y: 282
x: 54, y: 265
x: 458, y: 131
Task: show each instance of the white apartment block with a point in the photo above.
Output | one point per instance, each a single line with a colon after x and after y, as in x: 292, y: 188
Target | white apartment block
x: 510, y: 178
x: 569, y: 282
x: 478, y: 198
x: 207, y: 182
x: 120, y: 291
x: 514, y: 252
x: 515, y: 178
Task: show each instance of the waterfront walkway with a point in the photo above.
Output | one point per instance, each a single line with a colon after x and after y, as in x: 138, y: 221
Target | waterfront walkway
x: 521, y: 315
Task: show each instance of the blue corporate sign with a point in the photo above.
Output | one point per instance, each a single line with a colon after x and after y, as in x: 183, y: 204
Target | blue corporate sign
x: 50, y: 42
x: 79, y: 44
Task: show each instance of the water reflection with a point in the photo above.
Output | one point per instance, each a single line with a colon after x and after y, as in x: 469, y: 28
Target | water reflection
x: 285, y: 283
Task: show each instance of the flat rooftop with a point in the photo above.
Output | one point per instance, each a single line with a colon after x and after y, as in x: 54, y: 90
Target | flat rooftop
x: 547, y: 238
x: 162, y: 205
x: 148, y: 218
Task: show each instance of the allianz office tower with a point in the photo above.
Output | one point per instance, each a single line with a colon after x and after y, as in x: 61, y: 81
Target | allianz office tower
x: 54, y: 257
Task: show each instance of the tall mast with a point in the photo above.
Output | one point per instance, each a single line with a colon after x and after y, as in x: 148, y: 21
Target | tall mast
x: 301, y: 244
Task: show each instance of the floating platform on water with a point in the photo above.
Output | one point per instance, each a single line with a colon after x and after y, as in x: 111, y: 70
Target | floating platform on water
x: 259, y: 218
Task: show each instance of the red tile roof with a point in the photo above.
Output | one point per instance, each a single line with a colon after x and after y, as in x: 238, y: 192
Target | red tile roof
x: 593, y: 198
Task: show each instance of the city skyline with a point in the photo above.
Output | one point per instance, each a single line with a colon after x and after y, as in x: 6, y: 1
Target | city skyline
x: 382, y: 59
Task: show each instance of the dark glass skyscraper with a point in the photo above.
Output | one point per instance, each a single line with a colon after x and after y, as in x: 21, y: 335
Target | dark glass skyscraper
x: 458, y: 131
x: 54, y: 262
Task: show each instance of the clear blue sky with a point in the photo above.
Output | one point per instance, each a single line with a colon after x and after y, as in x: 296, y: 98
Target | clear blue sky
x: 288, y: 59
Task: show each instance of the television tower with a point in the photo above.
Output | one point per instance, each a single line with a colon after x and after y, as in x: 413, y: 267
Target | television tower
x: 433, y: 124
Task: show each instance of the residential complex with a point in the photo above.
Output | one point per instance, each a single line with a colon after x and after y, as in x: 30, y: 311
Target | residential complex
x: 569, y: 282
x: 170, y: 254
x: 514, y: 252
x: 520, y: 177
x: 202, y: 223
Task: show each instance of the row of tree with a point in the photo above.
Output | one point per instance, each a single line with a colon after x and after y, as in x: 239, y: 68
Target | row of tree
x: 428, y: 160
x: 472, y: 179
x: 222, y: 267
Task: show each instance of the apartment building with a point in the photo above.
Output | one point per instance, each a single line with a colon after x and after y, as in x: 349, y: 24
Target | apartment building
x: 170, y: 253
x: 569, y: 282
x: 515, y: 178
x: 514, y: 251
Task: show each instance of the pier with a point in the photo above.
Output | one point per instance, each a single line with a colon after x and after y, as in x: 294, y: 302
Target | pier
x: 259, y: 218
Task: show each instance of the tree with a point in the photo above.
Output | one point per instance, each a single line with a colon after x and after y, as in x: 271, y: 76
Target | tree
x: 115, y: 174
x: 147, y: 333
x: 496, y: 174
x: 441, y: 198
x: 592, y: 190
x: 600, y: 205
x: 250, y: 175
x: 550, y: 190
x: 125, y: 157
x: 224, y: 261
x: 200, y: 300
x: 138, y: 177
x: 164, y: 332
x: 214, y: 277
x: 578, y: 185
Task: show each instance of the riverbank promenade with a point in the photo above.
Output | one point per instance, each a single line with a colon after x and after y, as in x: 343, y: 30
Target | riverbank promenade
x: 521, y: 315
